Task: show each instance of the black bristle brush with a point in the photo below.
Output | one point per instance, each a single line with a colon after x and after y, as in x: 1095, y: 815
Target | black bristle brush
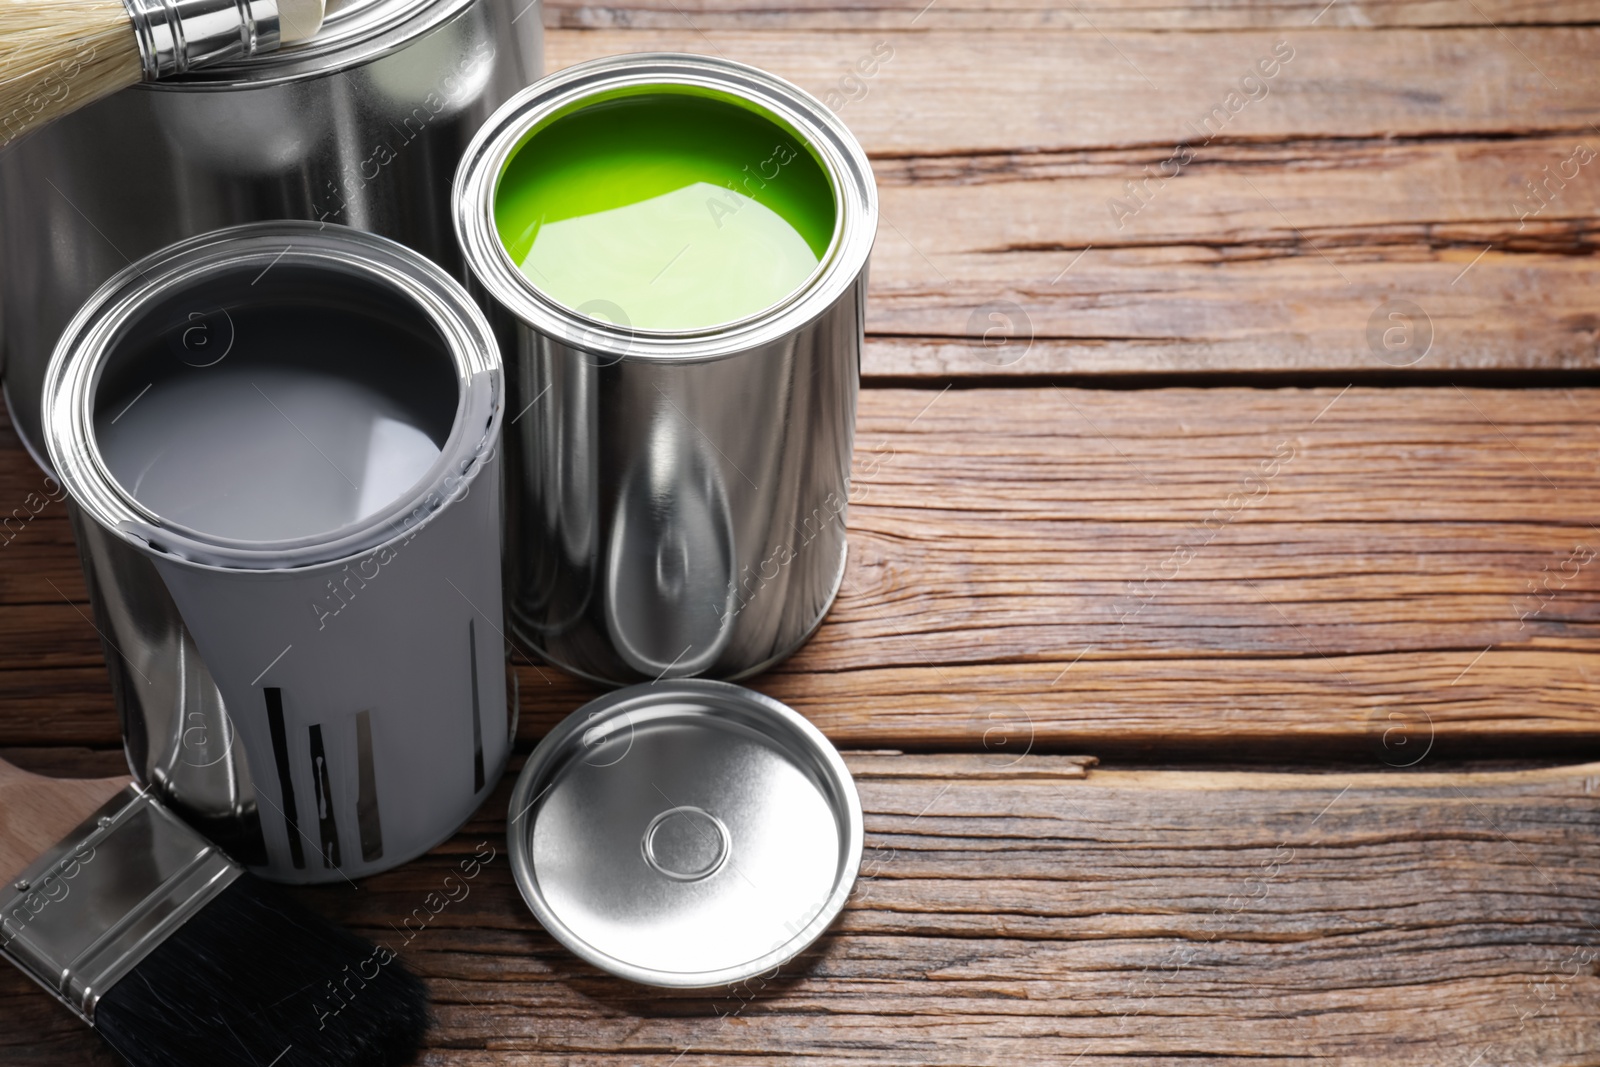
x: 174, y: 953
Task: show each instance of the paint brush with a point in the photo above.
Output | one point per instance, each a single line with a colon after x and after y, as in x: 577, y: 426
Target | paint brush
x: 174, y: 953
x: 58, y: 55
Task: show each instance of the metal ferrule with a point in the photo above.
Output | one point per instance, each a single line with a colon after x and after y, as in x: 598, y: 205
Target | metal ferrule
x: 93, y: 907
x: 177, y: 35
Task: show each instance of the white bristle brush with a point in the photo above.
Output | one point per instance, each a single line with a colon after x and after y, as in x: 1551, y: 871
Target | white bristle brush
x: 174, y: 953
x: 58, y: 55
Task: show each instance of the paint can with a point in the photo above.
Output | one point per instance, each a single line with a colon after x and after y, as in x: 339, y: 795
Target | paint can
x: 279, y: 444
x: 678, y: 450
x: 361, y: 125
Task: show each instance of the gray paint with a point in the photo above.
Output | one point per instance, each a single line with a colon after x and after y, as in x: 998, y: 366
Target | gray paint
x: 329, y: 653
x: 286, y: 436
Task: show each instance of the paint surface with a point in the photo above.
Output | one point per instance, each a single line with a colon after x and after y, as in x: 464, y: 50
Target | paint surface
x: 314, y: 419
x: 665, y: 211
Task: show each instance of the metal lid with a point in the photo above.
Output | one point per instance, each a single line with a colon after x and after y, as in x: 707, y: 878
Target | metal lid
x: 686, y: 833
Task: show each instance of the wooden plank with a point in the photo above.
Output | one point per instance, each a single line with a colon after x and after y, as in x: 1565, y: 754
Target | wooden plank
x: 1267, y: 571
x: 1261, y: 258
x: 1066, y: 218
x: 38, y: 561
x: 1018, y: 91
x: 75, y: 761
x: 1229, y: 572
x: 57, y: 705
x: 1044, y: 915
x: 983, y: 16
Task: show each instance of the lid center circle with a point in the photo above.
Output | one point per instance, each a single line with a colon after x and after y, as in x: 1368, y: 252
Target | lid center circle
x: 686, y: 843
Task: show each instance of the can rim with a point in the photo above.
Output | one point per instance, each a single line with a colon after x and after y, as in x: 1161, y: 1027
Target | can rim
x: 80, y: 354
x: 813, y: 746
x: 837, y: 150
x: 352, y: 34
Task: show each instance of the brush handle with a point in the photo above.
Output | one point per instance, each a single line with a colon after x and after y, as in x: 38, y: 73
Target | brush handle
x: 36, y: 812
x: 59, y: 55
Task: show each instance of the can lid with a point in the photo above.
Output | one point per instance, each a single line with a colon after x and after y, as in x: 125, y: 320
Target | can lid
x: 687, y: 833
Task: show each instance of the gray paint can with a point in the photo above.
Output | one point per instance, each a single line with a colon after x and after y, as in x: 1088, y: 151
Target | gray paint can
x: 676, y: 501
x: 361, y: 125
x: 332, y: 701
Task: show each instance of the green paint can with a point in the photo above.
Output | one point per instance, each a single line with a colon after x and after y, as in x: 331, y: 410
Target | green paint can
x: 674, y: 250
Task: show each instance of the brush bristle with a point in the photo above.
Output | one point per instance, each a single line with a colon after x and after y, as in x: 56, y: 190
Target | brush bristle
x: 256, y: 978
x: 57, y: 56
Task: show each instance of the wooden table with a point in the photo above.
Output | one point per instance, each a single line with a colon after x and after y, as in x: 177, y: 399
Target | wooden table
x: 1267, y: 480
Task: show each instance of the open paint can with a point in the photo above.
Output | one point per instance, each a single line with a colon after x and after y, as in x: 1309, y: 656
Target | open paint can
x: 361, y: 125
x: 686, y: 833
x: 675, y: 251
x: 279, y: 441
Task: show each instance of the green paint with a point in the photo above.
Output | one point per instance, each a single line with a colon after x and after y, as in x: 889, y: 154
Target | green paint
x: 680, y: 209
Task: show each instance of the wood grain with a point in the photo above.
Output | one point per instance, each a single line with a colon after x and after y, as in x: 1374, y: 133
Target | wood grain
x: 1127, y: 571
x: 982, y: 16
x: 1257, y: 259
x: 1030, y: 912
x: 1113, y: 571
x: 1041, y: 570
x: 1024, y: 91
x: 1371, y: 167
x: 37, y: 812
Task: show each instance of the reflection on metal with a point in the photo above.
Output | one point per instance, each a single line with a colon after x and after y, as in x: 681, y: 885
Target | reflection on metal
x: 367, y: 791
x: 477, y: 719
x: 322, y: 788
x: 552, y: 479
x: 175, y: 726
x: 670, y: 563
x: 280, y: 756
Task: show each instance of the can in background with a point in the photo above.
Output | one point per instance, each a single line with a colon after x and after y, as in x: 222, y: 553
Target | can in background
x: 326, y: 702
x: 361, y: 125
x: 676, y: 500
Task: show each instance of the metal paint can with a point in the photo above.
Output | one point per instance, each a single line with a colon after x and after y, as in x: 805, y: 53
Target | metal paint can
x: 326, y: 701
x: 361, y: 125
x: 676, y: 500
x: 687, y: 833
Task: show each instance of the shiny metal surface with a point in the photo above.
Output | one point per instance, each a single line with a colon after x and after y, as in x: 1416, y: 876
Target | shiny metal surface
x: 175, y: 731
x: 687, y: 833
x: 96, y: 904
x: 390, y: 721
x: 175, y: 35
x: 362, y: 125
x: 676, y: 501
